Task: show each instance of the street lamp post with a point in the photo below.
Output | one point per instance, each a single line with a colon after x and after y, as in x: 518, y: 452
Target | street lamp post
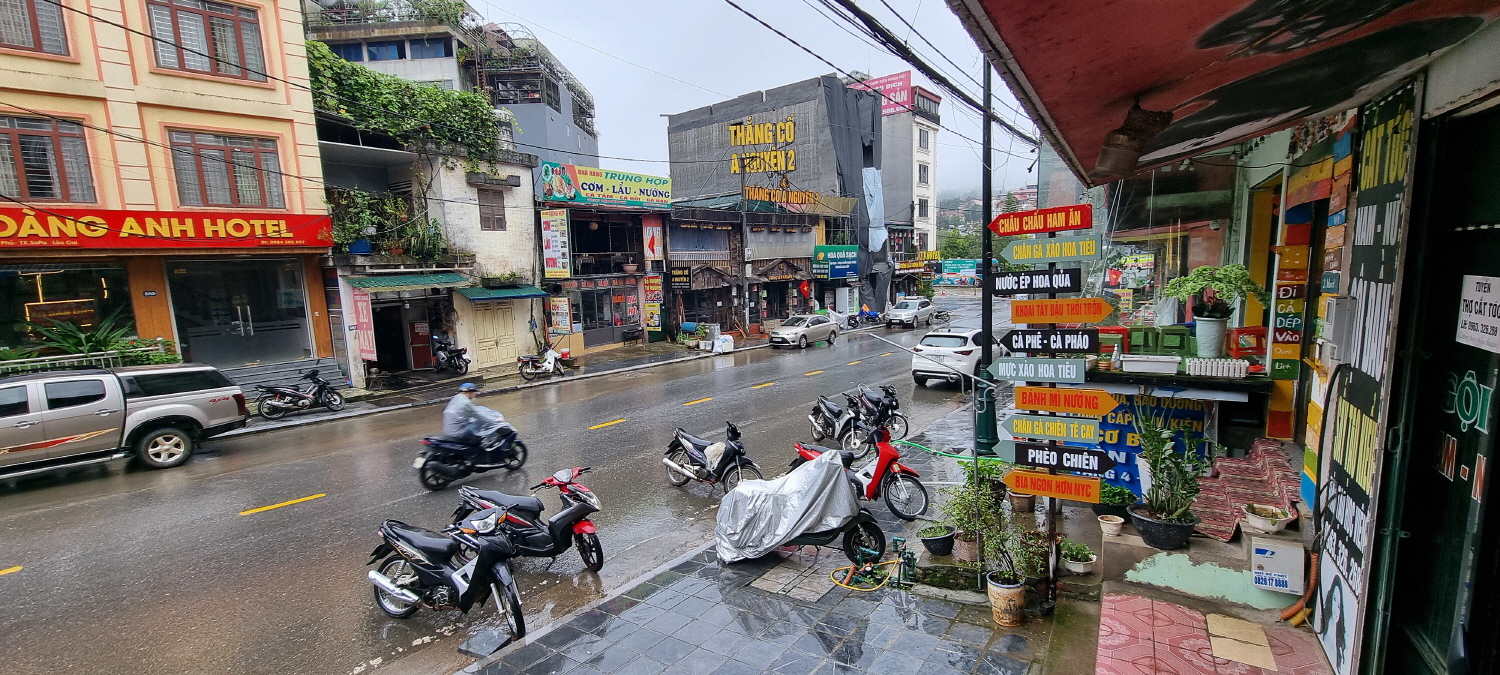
x: 985, y: 431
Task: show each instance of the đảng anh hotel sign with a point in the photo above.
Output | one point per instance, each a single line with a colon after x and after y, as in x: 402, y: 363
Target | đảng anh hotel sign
x: 26, y: 228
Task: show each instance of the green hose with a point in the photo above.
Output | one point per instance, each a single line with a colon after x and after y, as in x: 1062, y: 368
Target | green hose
x: 945, y: 454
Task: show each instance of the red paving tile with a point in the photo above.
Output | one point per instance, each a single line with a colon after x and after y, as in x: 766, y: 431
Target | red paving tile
x: 1167, y: 612
x: 1297, y: 651
x: 1184, y: 661
x: 1140, y: 636
x: 1108, y: 666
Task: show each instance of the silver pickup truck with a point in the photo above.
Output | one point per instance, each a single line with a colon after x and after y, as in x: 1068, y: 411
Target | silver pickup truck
x: 58, y: 419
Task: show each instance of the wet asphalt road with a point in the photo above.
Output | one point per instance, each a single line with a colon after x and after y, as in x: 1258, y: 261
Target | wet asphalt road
x: 133, y: 571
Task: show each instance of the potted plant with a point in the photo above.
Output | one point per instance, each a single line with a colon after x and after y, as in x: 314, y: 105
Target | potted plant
x: 629, y: 266
x: 1021, y: 503
x: 937, y: 538
x: 1211, y: 312
x: 1112, y: 501
x: 970, y: 509
x: 991, y: 474
x: 1030, y: 550
x: 1005, y: 582
x: 1165, y: 519
x: 1266, y: 518
x: 1078, y: 557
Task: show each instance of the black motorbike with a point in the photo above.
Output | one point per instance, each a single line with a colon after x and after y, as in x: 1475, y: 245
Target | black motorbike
x: 687, y: 459
x: 458, y: 568
x: 863, y: 540
x: 444, y: 460
x: 540, y: 537
x: 449, y: 357
x: 875, y: 409
x: 275, y: 402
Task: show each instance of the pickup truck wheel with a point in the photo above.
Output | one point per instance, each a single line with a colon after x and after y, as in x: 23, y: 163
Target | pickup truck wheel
x: 165, y: 448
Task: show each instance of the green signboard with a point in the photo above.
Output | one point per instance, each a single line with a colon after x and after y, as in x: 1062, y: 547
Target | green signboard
x: 835, y: 262
x: 1042, y: 427
x: 1057, y: 249
x: 1031, y: 369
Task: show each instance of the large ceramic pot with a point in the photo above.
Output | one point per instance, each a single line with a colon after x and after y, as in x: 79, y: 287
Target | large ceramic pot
x: 941, y: 544
x: 1160, y: 533
x: 1007, y: 601
x: 1020, y: 503
x: 1210, y: 337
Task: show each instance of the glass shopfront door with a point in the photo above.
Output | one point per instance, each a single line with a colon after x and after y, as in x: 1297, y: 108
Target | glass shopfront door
x: 233, y: 313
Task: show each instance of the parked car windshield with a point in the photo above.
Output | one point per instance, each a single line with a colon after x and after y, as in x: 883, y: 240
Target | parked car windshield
x: 947, y: 341
x: 793, y: 322
x: 906, y: 304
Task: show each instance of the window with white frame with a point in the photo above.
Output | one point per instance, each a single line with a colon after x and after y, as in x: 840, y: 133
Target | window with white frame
x: 34, y: 25
x: 217, y: 170
x: 207, y: 37
x: 922, y: 170
x: 922, y: 206
x: 924, y: 139
x: 44, y: 160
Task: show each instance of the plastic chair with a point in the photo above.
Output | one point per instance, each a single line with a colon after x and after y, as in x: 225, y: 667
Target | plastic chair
x: 1247, y: 341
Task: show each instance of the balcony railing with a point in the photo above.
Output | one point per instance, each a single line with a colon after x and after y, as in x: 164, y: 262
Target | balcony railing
x: 110, y: 359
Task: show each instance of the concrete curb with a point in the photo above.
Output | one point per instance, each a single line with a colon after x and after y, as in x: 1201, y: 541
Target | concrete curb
x: 246, y: 431
x: 620, y: 590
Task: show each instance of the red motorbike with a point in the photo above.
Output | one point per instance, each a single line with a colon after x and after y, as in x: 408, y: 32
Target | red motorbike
x: 886, y: 477
x: 538, y: 537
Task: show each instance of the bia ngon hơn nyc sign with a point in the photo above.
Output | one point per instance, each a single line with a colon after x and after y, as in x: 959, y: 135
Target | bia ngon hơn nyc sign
x: 774, y: 159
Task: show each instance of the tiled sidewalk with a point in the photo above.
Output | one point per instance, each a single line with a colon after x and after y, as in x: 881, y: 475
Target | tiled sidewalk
x: 1144, y: 636
x: 702, y: 618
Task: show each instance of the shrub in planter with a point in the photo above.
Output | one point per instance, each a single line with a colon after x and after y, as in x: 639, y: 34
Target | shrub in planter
x: 1112, y: 501
x: 1165, y: 518
x: 991, y: 473
x: 1077, y: 557
x: 1212, y: 310
x: 970, y: 509
x: 937, y: 539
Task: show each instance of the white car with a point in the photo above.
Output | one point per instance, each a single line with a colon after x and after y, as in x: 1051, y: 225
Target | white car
x: 909, y: 311
x: 942, y: 355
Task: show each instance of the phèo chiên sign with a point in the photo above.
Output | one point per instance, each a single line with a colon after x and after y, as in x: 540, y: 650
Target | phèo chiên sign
x: 98, y: 228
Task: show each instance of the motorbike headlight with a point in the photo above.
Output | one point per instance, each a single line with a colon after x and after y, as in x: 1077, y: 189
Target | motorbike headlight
x: 487, y: 524
x: 588, y: 497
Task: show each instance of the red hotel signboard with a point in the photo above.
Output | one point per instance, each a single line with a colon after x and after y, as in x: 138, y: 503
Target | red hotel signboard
x: 24, y: 228
x: 1040, y: 221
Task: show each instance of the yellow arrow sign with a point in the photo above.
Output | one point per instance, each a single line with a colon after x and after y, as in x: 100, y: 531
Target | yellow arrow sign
x: 1091, y: 402
x: 1076, y: 488
x: 1060, y: 310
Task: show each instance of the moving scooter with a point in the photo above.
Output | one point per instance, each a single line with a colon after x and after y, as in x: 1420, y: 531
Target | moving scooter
x: 458, y: 568
x: 886, y: 477
x: 444, y: 460
x: 540, y: 537
x: 688, y: 458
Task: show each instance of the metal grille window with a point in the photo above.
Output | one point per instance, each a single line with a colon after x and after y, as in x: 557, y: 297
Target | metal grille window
x: 44, y: 160
x: 215, y: 170
x: 922, y: 205
x: 491, y: 210
x: 34, y: 25
x: 922, y: 174
x: 207, y: 37
x: 924, y: 139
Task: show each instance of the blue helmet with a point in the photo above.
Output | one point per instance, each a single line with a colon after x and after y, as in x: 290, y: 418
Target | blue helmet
x: 468, y: 386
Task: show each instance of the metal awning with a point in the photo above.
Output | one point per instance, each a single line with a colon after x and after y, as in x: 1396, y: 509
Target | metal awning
x: 410, y: 282
x: 514, y: 293
x: 1226, y: 70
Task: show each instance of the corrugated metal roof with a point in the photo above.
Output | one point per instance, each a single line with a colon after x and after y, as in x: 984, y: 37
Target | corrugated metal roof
x: 410, y: 282
x: 477, y: 293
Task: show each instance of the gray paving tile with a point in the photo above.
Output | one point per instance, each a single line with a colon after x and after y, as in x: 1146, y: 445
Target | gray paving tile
x: 969, y: 634
x: 737, y: 668
x: 954, y: 655
x: 692, y: 606
x: 934, y: 668
x: 760, y: 652
x: 913, y: 643
x: 584, y: 670
x: 838, y: 624
x: 670, y: 650
x: 998, y: 663
x: 855, y: 654
x: 836, y: 668
x: 942, y: 608
x: 642, y: 665
x: 876, y: 634
x: 1013, y: 643
x: 617, y: 604
x: 895, y: 662
x: 817, y: 644
x: 930, y: 625
x: 667, y: 623
x: 527, y: 655
x: 782, y: 634
x: 558, y: 637
x: 701, y: 661
x: 585, y: 648
x: 696, y: 632
x: 611, y: 660
x: 641, y: 591
x: 642, y: 613
x: 667, y: 578
x: 641, y: 639
x: 727, y: 642
x: 665, y: 599
x: 793, y: 662
x: 557, y: 664
x: 615, y: 628
x: 855, y: 606
x: 590, y: 620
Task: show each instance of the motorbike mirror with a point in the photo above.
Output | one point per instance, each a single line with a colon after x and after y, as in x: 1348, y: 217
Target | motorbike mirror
x: 731, y: 431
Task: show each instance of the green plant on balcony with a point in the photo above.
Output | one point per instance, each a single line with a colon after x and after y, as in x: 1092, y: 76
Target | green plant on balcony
x: 385, y: 220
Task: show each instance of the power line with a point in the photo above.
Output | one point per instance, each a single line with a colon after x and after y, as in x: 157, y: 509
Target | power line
x: 900, y: 49
x: 44, y: 210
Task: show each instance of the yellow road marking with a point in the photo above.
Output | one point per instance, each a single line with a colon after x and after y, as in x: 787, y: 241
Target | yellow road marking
x: 601, y: 426
x: 815, y: 372
x: 8, y: 570
x: 277, y: 506
x: 888, y: 353
x: 710, y: 398
x: 758, y: 386
x: 854, y: 362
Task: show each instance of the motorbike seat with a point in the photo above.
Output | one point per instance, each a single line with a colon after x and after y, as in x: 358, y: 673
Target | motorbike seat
x: 529, y: 357
x: 449, y: 444
x: 697, y: 443
x: 432, y: 543
x: 830, y: 408
x: 519, y: 503
x: 845, y: 457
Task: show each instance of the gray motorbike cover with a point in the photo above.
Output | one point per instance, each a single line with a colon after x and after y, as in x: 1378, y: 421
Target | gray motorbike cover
x: 760, y: 515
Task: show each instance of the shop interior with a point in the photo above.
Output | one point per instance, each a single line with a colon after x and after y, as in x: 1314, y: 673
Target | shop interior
x: 44, y: 293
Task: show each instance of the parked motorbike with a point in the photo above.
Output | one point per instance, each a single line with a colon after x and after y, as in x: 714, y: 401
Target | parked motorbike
x: 540, y: 537
x: 444, y: 460
x: 830, y: 420
x: 687, y: 459
x: 448, y: 356
x: 883, y: 408
x: 549, y: 362
x: 886, y: 477
x: 275, y: 402
x: 458, y: 568
x: 864, y: 316
x: 863, y: 540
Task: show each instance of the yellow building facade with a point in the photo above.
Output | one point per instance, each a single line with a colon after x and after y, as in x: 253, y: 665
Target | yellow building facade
x: 159, y: 159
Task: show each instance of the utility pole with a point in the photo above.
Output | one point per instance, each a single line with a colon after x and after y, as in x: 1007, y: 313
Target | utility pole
x: 985, y: 434
x: 745, y: 239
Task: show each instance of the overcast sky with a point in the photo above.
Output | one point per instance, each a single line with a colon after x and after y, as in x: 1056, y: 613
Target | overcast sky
x: 705, y: 51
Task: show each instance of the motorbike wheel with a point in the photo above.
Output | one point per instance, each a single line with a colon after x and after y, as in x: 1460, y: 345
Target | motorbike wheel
x: 528, y: 374
x: 394, y: 567
x: 739, y: 472
x: 817, y: 430
x: 898, y: 427
x: 461, y: 366
x: 333, y: 401
x: 905, y: 496
x: 267, y: 411
x: 853, y: 440
x: 432, y: 480
x: 590, y: 550
x: 510, y: 602
x: 557, y: 369
x: 679, y: 458
x: 518, y: 456
x: 861, y: 538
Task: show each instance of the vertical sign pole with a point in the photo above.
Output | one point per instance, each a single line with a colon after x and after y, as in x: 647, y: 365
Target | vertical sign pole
x: 1054, y: 505
x: 744, y: 239
x: 985, y: 433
